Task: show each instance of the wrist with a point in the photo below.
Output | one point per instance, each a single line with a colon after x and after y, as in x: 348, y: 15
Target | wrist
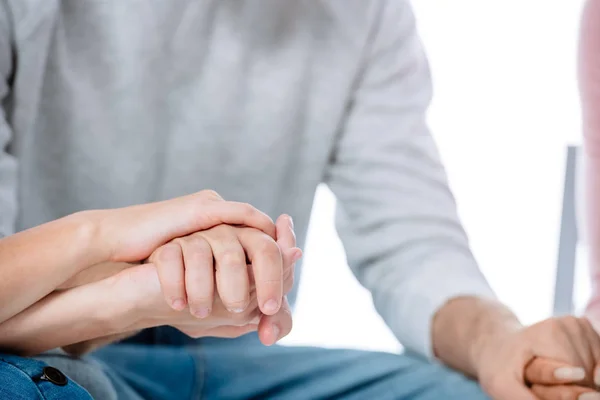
x: 136, y: 291
x: 465, y: 327
x: 119, y: 311
x: 494, y: 324
x: 90, y: 247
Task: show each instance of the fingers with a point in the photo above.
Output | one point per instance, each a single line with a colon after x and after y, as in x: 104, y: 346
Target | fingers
x: 231, y: 268
x: 199, y: 275
x: 286, y: 238
x: 273, y: 328
x: 545, y: 371
x: 267, y: 266
x: 234, y: 213
x: 564, y: 392
x: 168, y: 260
x: 594, y: 348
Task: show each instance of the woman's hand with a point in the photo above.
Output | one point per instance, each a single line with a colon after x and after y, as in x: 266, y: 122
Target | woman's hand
x: 223, y: 322
x: 556, y: 380
x: 131, y: 234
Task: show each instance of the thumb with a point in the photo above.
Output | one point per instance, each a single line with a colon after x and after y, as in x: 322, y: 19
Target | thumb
x: 544, y: 371
x: 272, y: 328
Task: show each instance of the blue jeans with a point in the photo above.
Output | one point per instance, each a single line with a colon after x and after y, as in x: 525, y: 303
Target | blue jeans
x: 161, y: 364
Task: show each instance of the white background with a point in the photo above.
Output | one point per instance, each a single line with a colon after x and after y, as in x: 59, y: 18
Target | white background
x: 505, y: 108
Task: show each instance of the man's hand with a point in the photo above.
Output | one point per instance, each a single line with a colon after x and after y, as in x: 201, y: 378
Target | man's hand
x: 484, y: 339
x: 270, y: 327
x: 139, y: 287
x: 548, y: 356
x: 188, y: 274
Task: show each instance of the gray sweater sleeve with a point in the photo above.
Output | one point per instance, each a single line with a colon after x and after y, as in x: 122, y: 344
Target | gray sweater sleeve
x: 396, y: 215
x: 8, y: 164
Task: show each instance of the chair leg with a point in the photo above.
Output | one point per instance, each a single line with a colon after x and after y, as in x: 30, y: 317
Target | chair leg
x: 567, y: 249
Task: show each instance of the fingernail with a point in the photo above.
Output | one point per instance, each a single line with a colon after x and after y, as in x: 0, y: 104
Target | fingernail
x: 271, y: 306
x: 597, y: 377
x: 589, y: 396
x: 238, y: 310
x: 202, y: 312
x: 178, y: 304
x: 569, y: 374
x: 291, y: 221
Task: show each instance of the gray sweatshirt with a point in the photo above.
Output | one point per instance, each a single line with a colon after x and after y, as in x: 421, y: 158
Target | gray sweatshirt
x: 108, y: 103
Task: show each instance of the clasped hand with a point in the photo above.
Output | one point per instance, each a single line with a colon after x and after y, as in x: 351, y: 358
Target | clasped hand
x: 203, y: 265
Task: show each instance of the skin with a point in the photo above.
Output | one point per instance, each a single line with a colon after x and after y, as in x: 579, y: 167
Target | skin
x: 479, y: 337
x: 58, y: 251
x: 270, y: 328
x: 507, y: 357
x: 578, y: 333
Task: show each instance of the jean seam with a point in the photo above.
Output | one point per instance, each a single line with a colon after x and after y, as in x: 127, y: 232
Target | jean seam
x: 27, y: 375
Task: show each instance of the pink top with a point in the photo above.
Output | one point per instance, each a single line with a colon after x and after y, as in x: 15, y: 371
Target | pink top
x: 589, y: 86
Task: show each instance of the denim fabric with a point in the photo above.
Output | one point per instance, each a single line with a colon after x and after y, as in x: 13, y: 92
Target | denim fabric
x: 20, y: 379
x: 162, y: 364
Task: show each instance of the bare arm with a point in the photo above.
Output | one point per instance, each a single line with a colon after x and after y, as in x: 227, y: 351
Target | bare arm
x: 113, y: 308
x: 70, y: 316
x: 34, y: 262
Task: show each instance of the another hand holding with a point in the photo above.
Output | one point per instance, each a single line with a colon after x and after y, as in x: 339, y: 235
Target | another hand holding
x: 556, y: 359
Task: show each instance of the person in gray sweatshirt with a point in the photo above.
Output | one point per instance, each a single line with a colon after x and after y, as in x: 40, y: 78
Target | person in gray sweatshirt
x: 108, y: 104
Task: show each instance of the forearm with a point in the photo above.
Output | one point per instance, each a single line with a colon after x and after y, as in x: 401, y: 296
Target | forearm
x: 463, y: 326
x: 70, y: 316
x: 36, y: 261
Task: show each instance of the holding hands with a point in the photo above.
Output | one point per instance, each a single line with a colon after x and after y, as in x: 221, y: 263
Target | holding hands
x: 556, y: 359
x: 207, y: 267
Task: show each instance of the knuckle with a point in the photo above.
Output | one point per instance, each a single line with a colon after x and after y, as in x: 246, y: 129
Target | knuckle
x: 210, y: 194
x: 269, y: 248
x: 198, y: 246
x: 248, y: 210
x: 231, y: 258
x: 168, y: 252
